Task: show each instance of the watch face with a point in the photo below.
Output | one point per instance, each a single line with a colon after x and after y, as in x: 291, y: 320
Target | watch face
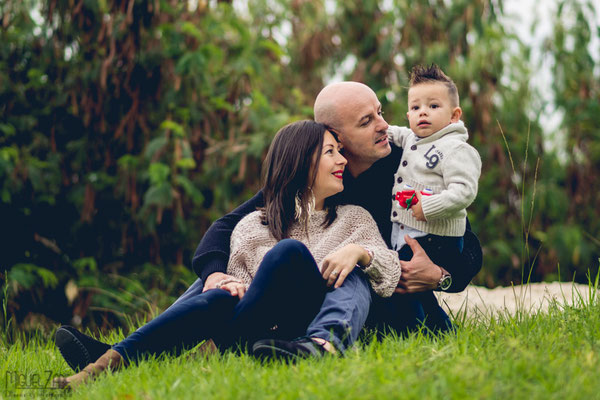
x: 446, y: 282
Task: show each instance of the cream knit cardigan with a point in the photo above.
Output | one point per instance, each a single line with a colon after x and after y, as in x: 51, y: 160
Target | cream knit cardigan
x: 445, y: 163
x: 251, y: 240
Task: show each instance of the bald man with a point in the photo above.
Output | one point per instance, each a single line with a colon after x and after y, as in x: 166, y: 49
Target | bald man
x: 353, y: 111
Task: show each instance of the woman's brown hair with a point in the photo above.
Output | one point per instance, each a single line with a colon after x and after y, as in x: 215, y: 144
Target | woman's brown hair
x: 288, y: 172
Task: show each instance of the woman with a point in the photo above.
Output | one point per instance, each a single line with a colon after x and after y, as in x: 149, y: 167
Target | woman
x: 283, y: 259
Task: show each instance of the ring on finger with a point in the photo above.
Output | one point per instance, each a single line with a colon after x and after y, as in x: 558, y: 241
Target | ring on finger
x: 335, y: 273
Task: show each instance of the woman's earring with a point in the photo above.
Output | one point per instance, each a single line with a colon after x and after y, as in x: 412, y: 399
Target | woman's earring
x: 309, y: 207
x: 311, y: 202
x: 298, y: 210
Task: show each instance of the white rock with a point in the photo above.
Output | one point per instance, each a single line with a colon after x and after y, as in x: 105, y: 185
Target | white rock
x: 530, y: 298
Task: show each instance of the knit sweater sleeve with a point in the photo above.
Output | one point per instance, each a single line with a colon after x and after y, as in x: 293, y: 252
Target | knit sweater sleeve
x: 384, y: 271
x: 399, y: 135
x: 212, y: 253
x: 246, y: 240
x: 461, y: 171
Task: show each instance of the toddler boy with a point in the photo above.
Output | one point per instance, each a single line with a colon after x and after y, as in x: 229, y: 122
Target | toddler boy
x: 438, y: 164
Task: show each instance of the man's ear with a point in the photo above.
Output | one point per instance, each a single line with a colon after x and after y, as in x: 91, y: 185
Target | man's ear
x: 456, y: 114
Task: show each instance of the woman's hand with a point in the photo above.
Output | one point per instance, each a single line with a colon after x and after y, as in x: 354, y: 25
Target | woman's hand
x: 235, y: 288
x: 213, y: 280
x: 219, y: 280
x: 337, y: 265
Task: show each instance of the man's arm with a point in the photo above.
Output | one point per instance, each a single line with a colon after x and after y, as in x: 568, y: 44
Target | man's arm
x: 212, y: 254
x: 421, y: 274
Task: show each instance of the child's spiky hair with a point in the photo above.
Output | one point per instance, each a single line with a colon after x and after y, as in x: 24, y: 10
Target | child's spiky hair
x: 433, y: 73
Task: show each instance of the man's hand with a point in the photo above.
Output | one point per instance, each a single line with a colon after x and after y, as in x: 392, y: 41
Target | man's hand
x: 233, y: 286
x: 420, y: 273
x: 417, y: 209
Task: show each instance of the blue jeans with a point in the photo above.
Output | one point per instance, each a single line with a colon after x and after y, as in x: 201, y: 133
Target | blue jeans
x: 285, y: 300
x: 399, y: 314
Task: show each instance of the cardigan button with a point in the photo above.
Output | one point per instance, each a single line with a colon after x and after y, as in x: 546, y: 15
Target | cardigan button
x: 401, y: 226
x: 404, y: 163
x: 399, y: 179
x: 395, y: 214
x: 413, y: 147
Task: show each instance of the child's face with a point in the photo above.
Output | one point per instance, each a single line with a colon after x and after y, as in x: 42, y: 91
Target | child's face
x: 430, y: 108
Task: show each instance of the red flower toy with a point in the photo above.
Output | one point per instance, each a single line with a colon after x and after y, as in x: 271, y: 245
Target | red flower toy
x: 407, y: 197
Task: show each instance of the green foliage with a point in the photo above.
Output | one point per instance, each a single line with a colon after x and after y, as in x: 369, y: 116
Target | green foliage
x: 27, y: 276
x: 127, y: 127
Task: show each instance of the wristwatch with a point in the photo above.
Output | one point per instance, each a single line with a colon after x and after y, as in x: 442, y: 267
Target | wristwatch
x: 445, y: 281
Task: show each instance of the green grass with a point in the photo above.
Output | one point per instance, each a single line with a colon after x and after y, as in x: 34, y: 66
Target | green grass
x: 539, y: 356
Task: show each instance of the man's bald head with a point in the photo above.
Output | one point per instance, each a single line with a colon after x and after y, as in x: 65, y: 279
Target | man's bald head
x: 353, y: 112
x: 332, y: 100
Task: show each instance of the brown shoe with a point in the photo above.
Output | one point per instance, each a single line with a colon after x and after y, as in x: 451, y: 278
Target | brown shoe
x: 205, y: 350
x: 111, y: 359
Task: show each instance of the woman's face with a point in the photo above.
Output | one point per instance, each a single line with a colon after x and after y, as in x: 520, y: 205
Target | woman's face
x: 329, y: 180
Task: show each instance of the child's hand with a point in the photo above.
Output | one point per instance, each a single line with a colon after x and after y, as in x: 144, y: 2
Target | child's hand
x: 417, y: 209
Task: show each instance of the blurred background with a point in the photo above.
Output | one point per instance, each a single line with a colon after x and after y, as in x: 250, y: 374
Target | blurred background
x: 128, y: 126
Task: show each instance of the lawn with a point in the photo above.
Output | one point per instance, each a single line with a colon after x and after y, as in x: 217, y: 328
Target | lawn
x: 551, y: 355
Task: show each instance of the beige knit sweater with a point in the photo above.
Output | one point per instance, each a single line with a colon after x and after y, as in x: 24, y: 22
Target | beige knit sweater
x: 251, y: 240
